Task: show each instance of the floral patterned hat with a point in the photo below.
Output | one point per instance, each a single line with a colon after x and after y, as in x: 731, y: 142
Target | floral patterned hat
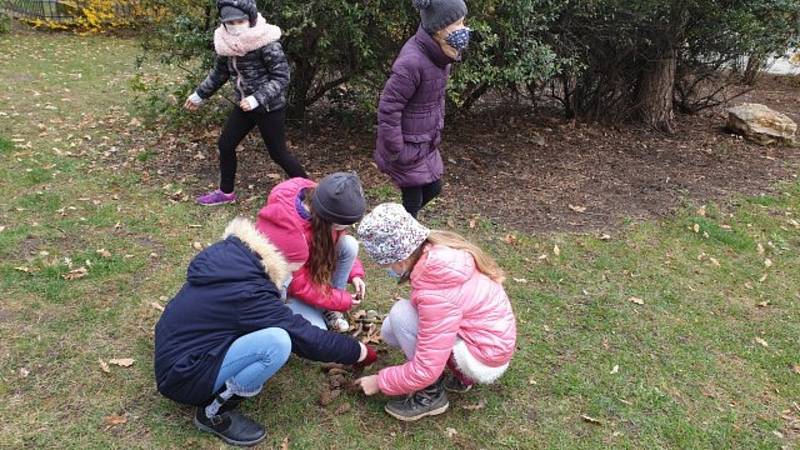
x: 390, y: 234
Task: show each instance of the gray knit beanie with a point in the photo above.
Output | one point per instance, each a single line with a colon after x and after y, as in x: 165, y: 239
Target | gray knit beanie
x: 438, y: 14
x: 339, y: 198
x: 390, y: 234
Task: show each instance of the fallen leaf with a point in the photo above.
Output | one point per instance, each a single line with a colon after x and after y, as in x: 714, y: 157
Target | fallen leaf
x: 285, y: 443
x: 590, y: 419
x: 520, y: 280
x: 760, y: 249
x: 76, y: 274
x: 556, y: 250
x: 778, y: 434
x: 577, y: 209
x: 157, y: 306
x: 792, y: 222
x: 472, y: 223
x: 104, y: 366
x: 480, y: 405
x: 2, y: 228
x: 636, y: 300
x: 696, y: 228
x: 328, y: 396
x: 197, y: 246
x: 23, y: 269
x: 763, y: 278
x: 531, y: 381
x: 23, y: 372
x: 104, y: 253
x: 796, y: 368
x: 701, y: 211
x: 510, y: 239
x: 615, y: 369
x: 605, y: 237
x: 122, y: 362
x: 767, y: 263
x: 113, y: 420
x: 451, y: 432
x: 763, y: 304
x: 762, y: 342
x: 714, y: 261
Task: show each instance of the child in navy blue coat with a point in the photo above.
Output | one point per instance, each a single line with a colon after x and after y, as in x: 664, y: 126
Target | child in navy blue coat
x: 227, y: 332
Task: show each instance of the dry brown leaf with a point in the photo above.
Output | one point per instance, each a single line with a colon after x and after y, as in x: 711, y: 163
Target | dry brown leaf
x: 696, y: 228
x: 114, y: 420
x: 605, y: 237
x: 760, y: 249
x: 577, y: 208
x: 763, y: 304
x: 157, y: 306
x: 23, y: 269
x: 2, y: 228
x: 796, y: 368
x: 714, y: 261
x: 104, y: 253
x: 23, y: 372
x: 636, y: 300
x: 197, y: 246
x: 590, y: 419
x: 762, y: 342
x: 472, y: 223
x: 520, y: 280
x: 510, y: 239
x: 104, y: 366
x: 763, y: 278
x: 480, y: 405
x: 701, y: 211
x: 285, y: 443
x: 767, y: 263
x: 450, y: 432
x: 615, y: 369
x: 122, y: 362
x: 76, y: 274
x: 556, y: 250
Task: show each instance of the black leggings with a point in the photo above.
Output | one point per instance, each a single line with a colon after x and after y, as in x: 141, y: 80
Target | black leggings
x: 416, y: 197
x: 272, y: 128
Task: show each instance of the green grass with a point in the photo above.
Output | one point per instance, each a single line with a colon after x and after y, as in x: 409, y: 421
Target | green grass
x: 690, y: 370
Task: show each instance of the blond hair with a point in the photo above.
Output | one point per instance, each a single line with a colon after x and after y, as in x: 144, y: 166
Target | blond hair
x: 485, y: 263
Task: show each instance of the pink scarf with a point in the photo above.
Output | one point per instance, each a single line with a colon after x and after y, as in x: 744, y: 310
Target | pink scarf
x: 254, y: 38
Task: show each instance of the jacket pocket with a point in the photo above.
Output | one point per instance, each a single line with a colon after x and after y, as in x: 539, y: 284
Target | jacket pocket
x: 415, y: 148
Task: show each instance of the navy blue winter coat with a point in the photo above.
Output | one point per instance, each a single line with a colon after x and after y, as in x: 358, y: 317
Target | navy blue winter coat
x: 230, y: 292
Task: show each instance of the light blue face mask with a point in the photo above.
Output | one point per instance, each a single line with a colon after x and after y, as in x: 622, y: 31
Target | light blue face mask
x: 459, y: 39
x: 393, y: 274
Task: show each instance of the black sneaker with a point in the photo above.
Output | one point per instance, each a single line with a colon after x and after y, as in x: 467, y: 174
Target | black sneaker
x: 453, y: 384
x: 231, y: 426
x: 430, y: 401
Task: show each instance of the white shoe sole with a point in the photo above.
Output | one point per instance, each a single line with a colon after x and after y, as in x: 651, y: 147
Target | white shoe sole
x: 440, y: 410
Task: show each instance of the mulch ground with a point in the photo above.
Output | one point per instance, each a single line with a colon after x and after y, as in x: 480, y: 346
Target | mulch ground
x: 532, y: 170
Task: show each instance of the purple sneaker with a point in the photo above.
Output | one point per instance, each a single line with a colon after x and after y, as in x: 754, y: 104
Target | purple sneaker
x: 216, y: 198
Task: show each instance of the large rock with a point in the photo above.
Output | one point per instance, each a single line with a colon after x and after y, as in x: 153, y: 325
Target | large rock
x: 761, y: 125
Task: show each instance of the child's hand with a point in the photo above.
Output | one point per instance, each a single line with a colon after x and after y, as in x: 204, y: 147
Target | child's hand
x: 368, y: 384
x: 361, y: 288
x: 245, y: 105
x: 355, y: 300
x: 189, y: 105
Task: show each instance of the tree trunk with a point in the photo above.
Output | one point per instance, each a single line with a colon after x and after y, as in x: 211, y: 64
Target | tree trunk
x: 654, y: 98
x: 755, y: 63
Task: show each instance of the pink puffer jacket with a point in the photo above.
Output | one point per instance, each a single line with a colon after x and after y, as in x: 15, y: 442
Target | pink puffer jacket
x: 454, y: 300
x: 280, y: 219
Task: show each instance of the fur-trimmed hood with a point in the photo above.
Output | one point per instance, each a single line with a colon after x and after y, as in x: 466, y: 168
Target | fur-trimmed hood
x: 272, y: 261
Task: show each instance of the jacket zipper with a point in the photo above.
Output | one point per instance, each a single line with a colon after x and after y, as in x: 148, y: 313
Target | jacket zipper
x: 239, y: 82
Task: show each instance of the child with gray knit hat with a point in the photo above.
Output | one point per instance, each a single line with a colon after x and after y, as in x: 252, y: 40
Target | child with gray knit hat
x: 459, y: 317
x: 411, y: 107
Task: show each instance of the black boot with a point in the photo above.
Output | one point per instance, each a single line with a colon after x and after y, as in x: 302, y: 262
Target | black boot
x: 428, y: 402
x: 230, y: 425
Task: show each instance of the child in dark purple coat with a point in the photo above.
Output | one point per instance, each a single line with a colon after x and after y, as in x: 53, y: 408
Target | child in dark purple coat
x: 411, y: 109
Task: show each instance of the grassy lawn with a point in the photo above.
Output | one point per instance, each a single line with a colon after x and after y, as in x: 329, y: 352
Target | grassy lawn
x: 710, y: 359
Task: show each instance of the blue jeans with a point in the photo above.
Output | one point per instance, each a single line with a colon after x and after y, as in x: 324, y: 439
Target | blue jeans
x: 346, y: 253
x: 253, y: 359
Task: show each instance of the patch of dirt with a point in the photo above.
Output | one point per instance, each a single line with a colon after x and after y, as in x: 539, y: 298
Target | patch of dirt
x: 531, y: 170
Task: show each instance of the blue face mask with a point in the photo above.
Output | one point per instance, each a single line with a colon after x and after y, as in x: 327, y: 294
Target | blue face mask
x: 459, y: 39
x: 393, y: 274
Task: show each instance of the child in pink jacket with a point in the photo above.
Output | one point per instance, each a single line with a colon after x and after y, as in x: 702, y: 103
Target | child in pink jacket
x: 458, y: 317
x: 307, y: 222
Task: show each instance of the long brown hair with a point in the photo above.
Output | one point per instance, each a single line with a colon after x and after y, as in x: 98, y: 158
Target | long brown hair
x: 485, y: 263
x: 322, y: 258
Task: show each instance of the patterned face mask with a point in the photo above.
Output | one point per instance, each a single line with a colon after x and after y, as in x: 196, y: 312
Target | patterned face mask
x: 459, y: 39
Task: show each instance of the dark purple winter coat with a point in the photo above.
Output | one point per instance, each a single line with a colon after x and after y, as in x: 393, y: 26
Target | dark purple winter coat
x: 411, y: 113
